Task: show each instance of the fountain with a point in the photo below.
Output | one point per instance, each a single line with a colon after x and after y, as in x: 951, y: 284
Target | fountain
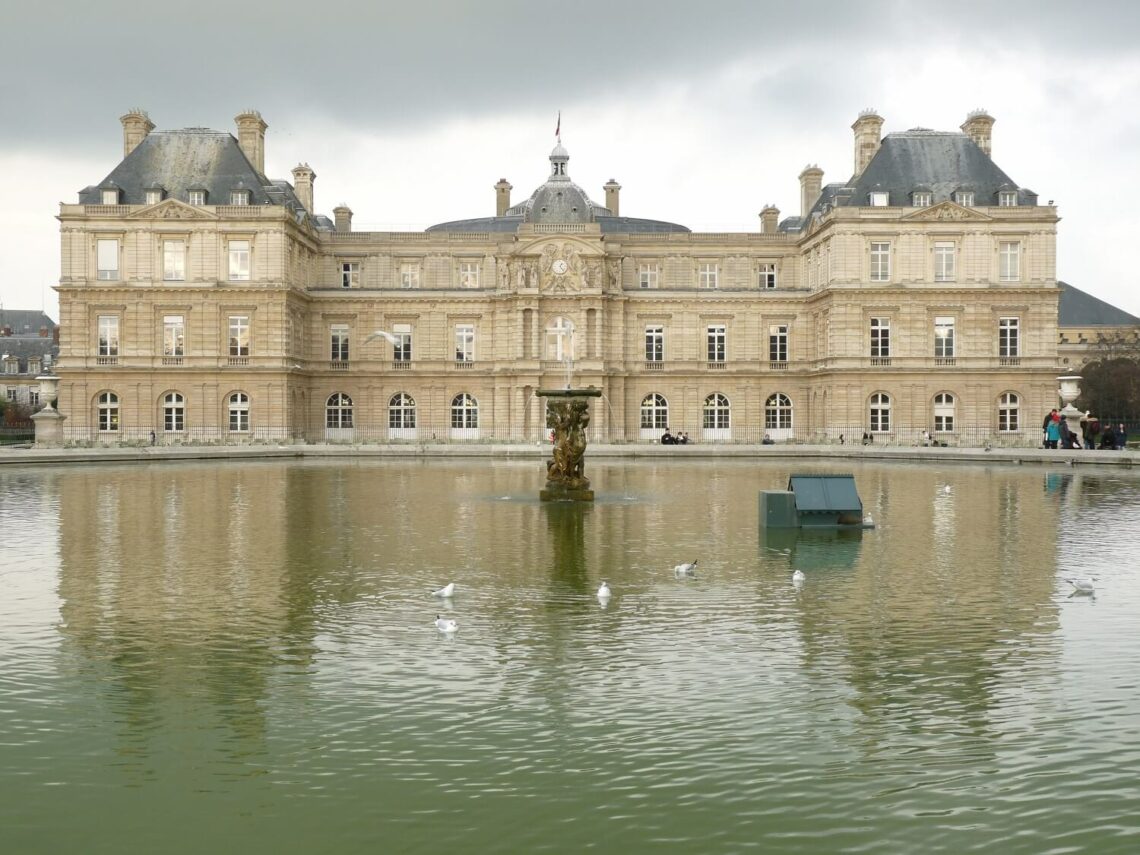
x: 566, y: 479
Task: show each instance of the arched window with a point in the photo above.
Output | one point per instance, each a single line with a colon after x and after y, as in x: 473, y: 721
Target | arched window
x: 716, y: 412
x: 173, y: 413
x: 239, y: 412
x: 880, y: 413
x: 338, y: 411
x: 401, y: 412
x: 654, y: 413
x: 943, y: 413
x: 778, y: 412
x: 108, y: 409
x: 1008, y: 407
x: 464, y: 412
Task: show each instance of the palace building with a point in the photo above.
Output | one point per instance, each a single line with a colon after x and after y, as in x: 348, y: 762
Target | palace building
x: 204, y: 301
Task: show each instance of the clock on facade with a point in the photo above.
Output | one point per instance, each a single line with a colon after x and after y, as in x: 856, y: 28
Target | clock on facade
x: 559, y: 266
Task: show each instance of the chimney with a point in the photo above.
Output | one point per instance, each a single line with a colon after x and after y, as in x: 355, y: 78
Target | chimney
x: 44, y: 331
x: 303, y: 178
x: 342, y: 214
x: 868, y: 129
x: 811, y: 182
x: 769, y: 219
x: 136, y: 125
x: 502, y: 197
x: 979, y: 127
x: 613, y: 190
x: 251, y: 137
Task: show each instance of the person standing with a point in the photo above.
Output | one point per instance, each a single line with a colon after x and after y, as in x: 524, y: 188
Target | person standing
x: 1053, y: 430
x: 1121, y: 437
x: 1045, y: 428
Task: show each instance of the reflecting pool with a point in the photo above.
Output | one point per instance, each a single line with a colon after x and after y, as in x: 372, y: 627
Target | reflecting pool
x: 232, y: 657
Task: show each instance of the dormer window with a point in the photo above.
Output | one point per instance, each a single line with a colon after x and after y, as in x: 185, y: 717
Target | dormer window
x: 921, y: 198
x: 1007, y: 198
x: 111, y: 196
x: 153, y: 195
x: 239, y: 197
x: 196, y: 197
x: 880, y: 198
x: 965, y: 198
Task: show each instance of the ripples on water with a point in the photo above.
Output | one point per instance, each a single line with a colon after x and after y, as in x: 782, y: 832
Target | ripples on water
x: 200, y: 657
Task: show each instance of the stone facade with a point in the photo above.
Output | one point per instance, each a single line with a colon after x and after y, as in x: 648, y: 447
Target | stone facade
x: 214, y: 305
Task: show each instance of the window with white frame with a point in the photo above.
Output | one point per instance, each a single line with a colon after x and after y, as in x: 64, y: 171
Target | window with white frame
x: 196, y: 197
x: 468, y: 274
x: 778, y: 343
x: 1009, y: 344
x: 879, y: 415
x: 560, y: 339
x: 11, y: 365
x: 239, y: 260
x: 707, y: 274
x: 654, y: 412
x: 465, y: 342
x: 654, y: 343
x: 239, y: 412
x: 401, y: 412
x: 409, y: 275
x: 349, y: 274
x: 944, y: 337
x: 965, y: 198
x: 880, y: 261
x: 716, y: 340
x: 879, y: 198
x: 10, y: 393
x: 716, y: 413
x: 108, y: 335
x: 464, y: 412
x: 1009, y: 260
x: 921, y: 199
x: 107, y: 410
x: 880, y: 338
x: 239, y: 335
x: 944, y: 256
x: 33, y: 365
x: 1007, y: 199
x: 338, y: 411
x: 239, y: 197
x: 1009, y: 406
x: 943, y: 413
x: 107, y: 258
x: 647, y: 275
x: 767, y: 273
x: 173, y: 413
x: 778, y: 412
x: 174, y: 260
x: 153, y: 196
x: 33, y: 397
x: 173, y: 335
x: 402, y: 349
x: 338, y: 342
x: 111, y: 197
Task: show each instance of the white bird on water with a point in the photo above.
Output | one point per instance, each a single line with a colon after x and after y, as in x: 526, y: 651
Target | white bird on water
x: 446, y: 591
x: 689, y: 569
x: 1082, y: 586
x: 604, y: 591
x: 946, y: 489
x: 446, y: 625
x: 798, y: 578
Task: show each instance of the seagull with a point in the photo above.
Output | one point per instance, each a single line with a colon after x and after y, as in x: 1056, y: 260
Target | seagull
x: 446, y: 591
x: 689, y: 569
x: 946, y: 489
x: 446, y: 625
x: 604, y: 591
x: 384, y: 334
x: 798, y: 578
x: 867, y: 520
x: 1082, y: 586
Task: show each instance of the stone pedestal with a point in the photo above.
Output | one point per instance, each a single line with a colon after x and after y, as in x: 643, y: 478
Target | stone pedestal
x: 558, y: 493
x: 1069, y: 391
x: 49, y: 428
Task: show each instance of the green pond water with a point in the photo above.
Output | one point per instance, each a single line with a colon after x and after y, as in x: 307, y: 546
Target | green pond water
x: 242, y: 657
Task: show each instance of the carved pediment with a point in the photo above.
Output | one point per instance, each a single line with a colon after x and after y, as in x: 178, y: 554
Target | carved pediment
x: 948, y: 211
x: 172, y: 209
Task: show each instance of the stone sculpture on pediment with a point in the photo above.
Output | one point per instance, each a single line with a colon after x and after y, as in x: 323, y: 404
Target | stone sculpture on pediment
x: 560, y: 268
x: 171, y: 209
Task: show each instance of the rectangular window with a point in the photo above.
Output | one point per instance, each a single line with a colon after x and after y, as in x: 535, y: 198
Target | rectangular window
x: 880, y: 199
x: 173, y: 335
x: 944, y: 338
x: 110, y: 197
x: 921, y: 199
x: 349, y: 274
x: 647, y: 275
x: 464, y: 342
x: 10, y: 392
x: 1008, y: 338
x: 34, y: 397
x: 965, y: 198
x: 239, y: 335
x: 1009, y: 255
x: 880, y: 338
x: 239, y: 260
x: 239, y: 197
x: 767, y: 276
x: 706, y: 275
x: 107, y: 254
x: 654, y: 343
x: 778, y: 343
x: 944, y: 252
x: 12, y: 366
x: 402, y: 350
x: 409, y: 276
x: 1007, y: 199
x: 108, y: 335
x: 716, y: 342
x: 33, y: 365
x: 153, y: 197
x: 468, y: 274
x: 196, y: 197
x: 338, y: 337
x: 880, y: 262
x: 174, y: 260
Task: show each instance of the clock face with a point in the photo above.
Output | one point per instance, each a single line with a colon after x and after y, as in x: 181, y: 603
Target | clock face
x: 559, y: 266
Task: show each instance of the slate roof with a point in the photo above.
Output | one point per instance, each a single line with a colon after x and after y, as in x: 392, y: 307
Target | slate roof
x: 26, y: 340
x: 1080, y: 309
x: 25, y: 322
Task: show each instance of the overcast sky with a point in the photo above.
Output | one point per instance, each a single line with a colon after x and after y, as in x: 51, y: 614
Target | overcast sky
x: 703, y: 111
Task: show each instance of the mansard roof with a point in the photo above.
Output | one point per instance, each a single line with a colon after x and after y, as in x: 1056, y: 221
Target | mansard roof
x: 25, y: 322
x: 1080, y: 309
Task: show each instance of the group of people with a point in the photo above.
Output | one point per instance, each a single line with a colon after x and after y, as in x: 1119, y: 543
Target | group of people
x: 1095, y: 436
x: 678, y: 438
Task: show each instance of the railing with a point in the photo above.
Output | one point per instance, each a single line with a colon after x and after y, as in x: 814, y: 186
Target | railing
x: 237, y: 361
x: 880, y: 361
x: 106, y: 360
x: 654, y: 365
x: 1009, y: 361
x: 106, y: 210
x: 171, y: 360
x: 463, y: 364
x: 402, y: 365
x: 777, y: 365
x: 716, y: 365
x: 338, y: 365
x: 945, y: 361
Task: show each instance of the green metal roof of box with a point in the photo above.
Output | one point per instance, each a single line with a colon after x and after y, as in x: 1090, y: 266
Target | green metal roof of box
x: 825, y: 493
